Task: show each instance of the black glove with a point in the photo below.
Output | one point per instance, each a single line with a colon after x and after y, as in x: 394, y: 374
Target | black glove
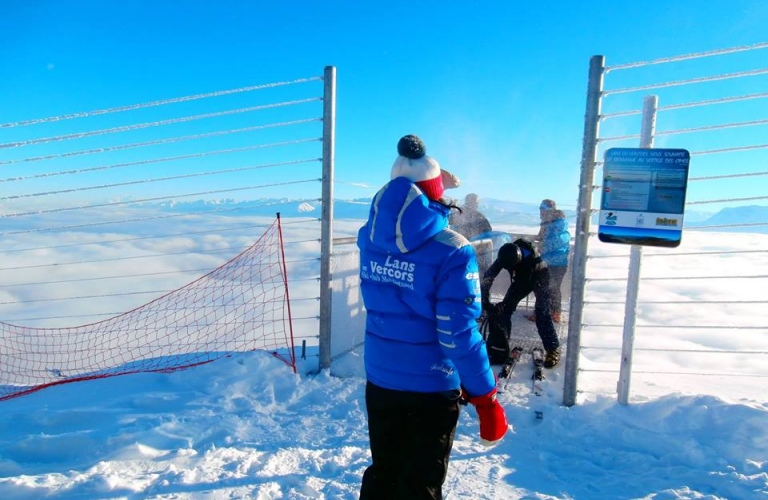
x: 491, y: 310
x: 487, y: 307
x: 500, y: 309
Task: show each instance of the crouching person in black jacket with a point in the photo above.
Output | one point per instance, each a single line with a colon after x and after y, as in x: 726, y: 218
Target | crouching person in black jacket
x: 528, y: 273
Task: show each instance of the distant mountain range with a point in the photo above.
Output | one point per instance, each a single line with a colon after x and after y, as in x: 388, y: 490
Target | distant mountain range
x: 497, y: 211
x: 737, y: 219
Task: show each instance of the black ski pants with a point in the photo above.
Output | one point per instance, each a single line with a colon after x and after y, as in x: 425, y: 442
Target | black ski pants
x: 411, y: 437
x: 539, y: 283
x: 556, y: 275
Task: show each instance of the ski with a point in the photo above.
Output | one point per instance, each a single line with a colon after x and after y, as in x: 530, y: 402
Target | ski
x: 537, y: 355
x: 508, y: 367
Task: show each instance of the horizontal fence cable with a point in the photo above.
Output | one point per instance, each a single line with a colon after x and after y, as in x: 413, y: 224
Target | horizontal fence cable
x: 151, y: 237
x: 105, y: 295
x: 79, y: 297
x: 161, y: 179
x: 685, y: 57
x: 168, y: 235
x: 601, y: 140
x: 680, y: 327
x: 666, y: 278
x: 119, y: 294
x: 677, y: 83
x: 157, y: 103
x: 68, y: 316
x: 117, y: 313
x: 124, y: 240
x: 119, y: 276
x: 157, y: 198
x: 356, y: 184
x: 727, y: 176
x: 726, y: 200
x: 156, y: 217
x: 692, y: 130
x: 145, y: 256
x: 703, y: 202
x: 729, y: 150
x: 160, y: 123
x: 721, y: 126
x: 680, y: 254
x: 121, y: 221
x: 657, y: 349
x: 345, y: 352
x: 688, y: 228
x: 348, y: 240
x: 164, y: 159
x: 720, y: 226
x: 168, y: 140
x: 689, y: 302
x: 157, y: 273
x: 655, y: 372
x: 693, y: 104
x: 307, y: 318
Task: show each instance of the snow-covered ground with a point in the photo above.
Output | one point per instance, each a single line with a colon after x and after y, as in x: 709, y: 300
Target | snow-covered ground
x: 247, y: 427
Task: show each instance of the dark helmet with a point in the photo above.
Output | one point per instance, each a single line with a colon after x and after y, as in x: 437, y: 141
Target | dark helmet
x: 509, y: 255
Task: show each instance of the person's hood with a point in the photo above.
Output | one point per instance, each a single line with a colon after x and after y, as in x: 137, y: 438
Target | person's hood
x: 402, y: 218
x: 553, y: 215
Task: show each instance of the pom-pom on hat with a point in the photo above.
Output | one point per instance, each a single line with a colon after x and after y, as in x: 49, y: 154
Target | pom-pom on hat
x: 413, y: 163
x: 411, y: 146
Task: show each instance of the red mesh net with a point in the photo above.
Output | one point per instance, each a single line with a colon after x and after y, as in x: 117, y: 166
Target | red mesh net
x: 241, y: 306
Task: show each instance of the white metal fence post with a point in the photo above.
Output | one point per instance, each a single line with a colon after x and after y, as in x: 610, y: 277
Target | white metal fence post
x: 326, y: 231
x: 647, y: 131
x: 583, y: 216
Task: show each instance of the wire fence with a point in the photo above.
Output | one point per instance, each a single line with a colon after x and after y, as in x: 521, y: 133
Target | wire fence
x: 104, y: 210
x: 700, y: 304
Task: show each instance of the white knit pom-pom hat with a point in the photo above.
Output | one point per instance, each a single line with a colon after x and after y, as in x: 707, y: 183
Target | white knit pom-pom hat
x: 424, y: 171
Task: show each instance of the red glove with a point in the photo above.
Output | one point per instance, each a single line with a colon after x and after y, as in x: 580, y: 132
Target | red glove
x: 493, y: 421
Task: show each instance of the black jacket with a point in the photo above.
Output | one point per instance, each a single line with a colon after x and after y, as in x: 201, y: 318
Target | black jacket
x: 527, y: 272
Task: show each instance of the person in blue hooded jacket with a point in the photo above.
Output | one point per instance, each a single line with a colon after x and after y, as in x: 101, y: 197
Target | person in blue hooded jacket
x: 423, y: 351
x: 554, y: 245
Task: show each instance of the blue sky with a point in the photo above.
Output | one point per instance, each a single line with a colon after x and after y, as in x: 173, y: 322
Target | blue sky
x: 496, y: 89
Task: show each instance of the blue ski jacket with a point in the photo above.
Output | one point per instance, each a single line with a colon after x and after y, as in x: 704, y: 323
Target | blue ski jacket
x: 421, y: 290
x: 555, y: 241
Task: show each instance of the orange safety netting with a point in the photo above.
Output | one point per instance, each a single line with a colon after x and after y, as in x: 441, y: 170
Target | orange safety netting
x: 241, y: 306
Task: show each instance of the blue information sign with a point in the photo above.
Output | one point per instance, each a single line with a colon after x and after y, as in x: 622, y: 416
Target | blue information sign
x: 643, y: 196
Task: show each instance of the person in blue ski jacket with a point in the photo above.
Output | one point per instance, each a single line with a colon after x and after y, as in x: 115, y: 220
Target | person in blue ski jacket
x: 423, y: 350
x: 554, y: 246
